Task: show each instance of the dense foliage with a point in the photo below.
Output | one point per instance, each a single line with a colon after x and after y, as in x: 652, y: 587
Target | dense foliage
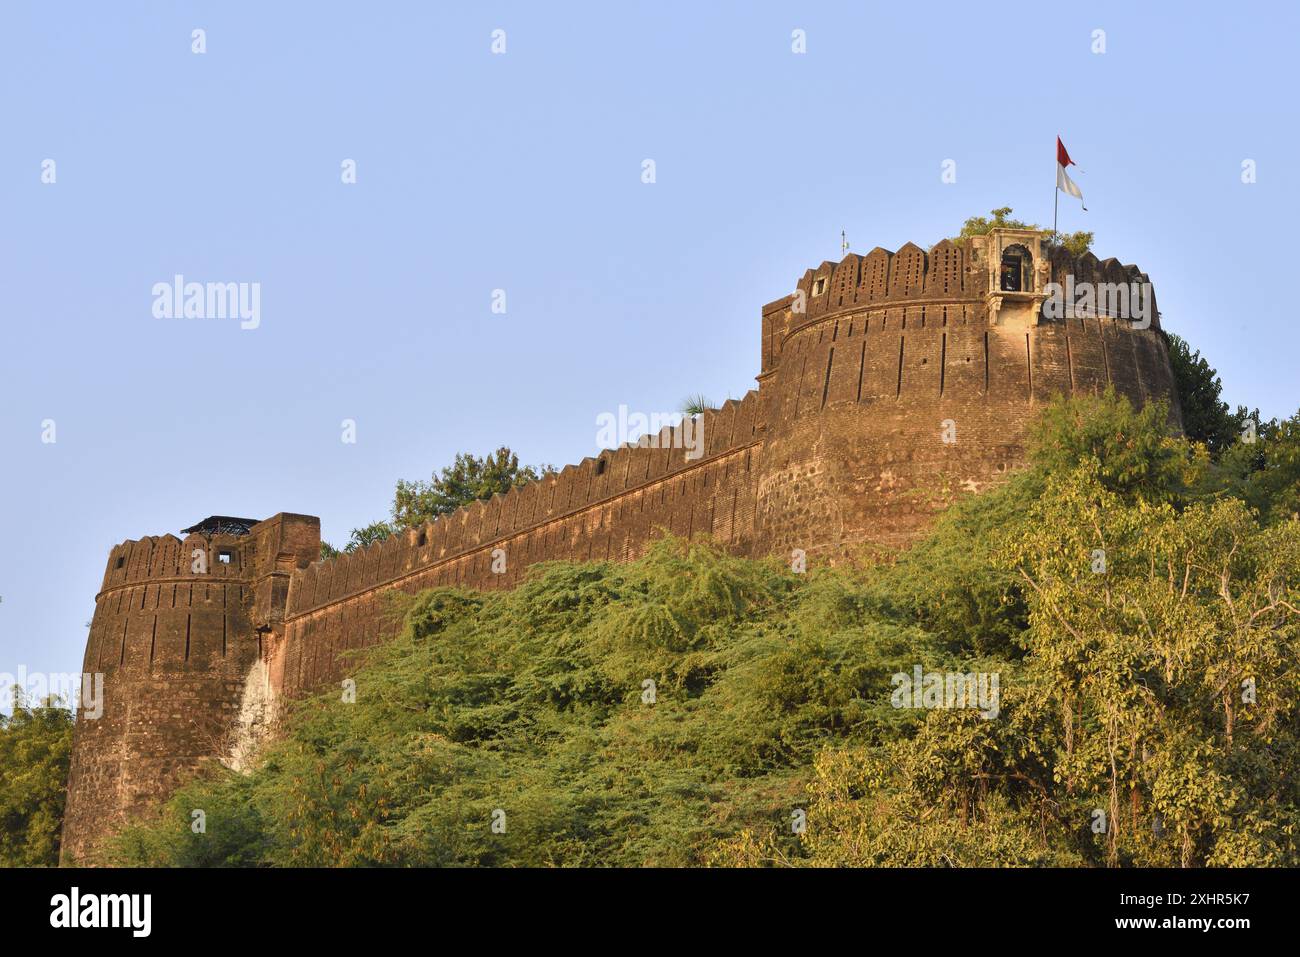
x: 1138, y: 600
x: 1206, y: 417
x: 35, y: 748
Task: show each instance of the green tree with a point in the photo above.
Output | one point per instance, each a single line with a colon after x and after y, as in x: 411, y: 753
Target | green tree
x: 1135, y: 450
x: 35, y: 748
x: 1268, y: 469
x: 468, y: 479
x: 1164, y: 640
x: 1206, y: 417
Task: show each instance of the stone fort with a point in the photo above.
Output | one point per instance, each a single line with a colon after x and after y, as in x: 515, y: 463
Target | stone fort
x: 888, y: 385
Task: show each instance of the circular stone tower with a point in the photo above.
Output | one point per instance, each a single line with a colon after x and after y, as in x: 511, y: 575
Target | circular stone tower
x: 896, y: 381
x: 179, y: 624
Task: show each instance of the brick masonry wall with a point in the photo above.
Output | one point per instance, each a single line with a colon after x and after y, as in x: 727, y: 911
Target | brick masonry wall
x: 174, y: 648
x: 608, y: 508
x: 861, y: 406
x: 887, y: 350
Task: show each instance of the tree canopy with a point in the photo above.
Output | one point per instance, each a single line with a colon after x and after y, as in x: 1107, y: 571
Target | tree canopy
x: 466, y: 480
x: 1206, y: 417
x: 35, y: 750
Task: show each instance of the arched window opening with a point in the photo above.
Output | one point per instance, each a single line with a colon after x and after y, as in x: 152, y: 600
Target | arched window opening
x: 1017, y: 267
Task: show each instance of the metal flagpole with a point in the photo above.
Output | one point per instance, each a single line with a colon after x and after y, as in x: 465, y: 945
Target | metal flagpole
x: 1056, y: 195
x: 1056, y: 199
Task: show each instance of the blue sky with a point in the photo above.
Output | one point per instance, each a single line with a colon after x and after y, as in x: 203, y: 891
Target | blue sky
x: 522, y: 172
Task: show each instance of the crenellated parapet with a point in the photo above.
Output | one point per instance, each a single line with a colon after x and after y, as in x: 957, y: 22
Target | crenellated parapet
x: 873, y: 360
x: 999, y: 278
x: 505, y: 518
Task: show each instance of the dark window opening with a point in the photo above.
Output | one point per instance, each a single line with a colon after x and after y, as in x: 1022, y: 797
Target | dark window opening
x: 1016, y: 266
x: 422, y: 540
x: 600, y: 466
x: 121, y: 560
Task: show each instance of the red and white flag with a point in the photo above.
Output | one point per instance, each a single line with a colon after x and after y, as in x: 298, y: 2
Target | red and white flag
x: 1063, y: 182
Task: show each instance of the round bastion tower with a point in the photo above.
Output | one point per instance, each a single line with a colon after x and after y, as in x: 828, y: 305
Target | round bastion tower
x: 895, y: 381
x: 179, y: 625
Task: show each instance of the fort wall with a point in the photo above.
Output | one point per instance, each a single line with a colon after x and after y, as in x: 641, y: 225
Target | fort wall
x: 174, y: 645
x: 608, y: 508
x: 889, y: 384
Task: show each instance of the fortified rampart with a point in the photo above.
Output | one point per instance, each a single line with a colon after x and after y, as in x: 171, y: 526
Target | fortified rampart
x: 888, y: 385
x: 175, y: 645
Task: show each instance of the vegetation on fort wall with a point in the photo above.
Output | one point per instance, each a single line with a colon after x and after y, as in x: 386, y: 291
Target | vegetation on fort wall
x: 35, y: 751
x: 1076, y: 243
x: 693, y: 708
